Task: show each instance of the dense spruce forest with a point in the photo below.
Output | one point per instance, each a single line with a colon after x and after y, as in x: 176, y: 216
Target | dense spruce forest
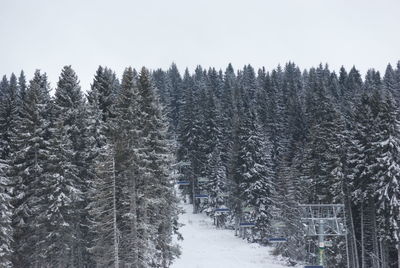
x: 85, y: 179
x: 87, y: 176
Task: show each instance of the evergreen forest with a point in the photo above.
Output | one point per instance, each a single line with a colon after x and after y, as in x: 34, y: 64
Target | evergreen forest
x: 88, y: 177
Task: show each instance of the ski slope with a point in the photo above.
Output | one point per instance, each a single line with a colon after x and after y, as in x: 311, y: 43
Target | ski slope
x: 204, y: 246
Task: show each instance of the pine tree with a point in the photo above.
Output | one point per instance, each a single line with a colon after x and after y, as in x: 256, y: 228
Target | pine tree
x: 30, y: 174
x: 125, y: 138
x: 100, y: 113
x: 158, y: 204
x: 70, y: 118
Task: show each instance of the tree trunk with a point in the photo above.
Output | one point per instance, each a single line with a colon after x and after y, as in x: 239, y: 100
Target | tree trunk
x: 350, y: 225
x: 134, y: 234
x: 375, y: 244
x: 116, y: 257
x: 383, y: 250
x: 398, y: 256
x: 362, y: 237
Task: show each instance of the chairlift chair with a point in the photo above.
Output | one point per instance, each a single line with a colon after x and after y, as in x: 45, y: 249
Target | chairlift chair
x: 202, y: 180
x: 201, y: 196
x: 277, y: 239
x: 183, y: 183
x: 248, y: 209
x: 247, y: 224
x: 222, y: 210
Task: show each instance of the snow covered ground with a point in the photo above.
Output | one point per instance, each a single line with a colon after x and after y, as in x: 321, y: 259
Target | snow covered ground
x: 204, y: 246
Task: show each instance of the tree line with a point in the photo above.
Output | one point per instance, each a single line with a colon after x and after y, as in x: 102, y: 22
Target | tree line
x: 88, y: 180
x: 267, y: 141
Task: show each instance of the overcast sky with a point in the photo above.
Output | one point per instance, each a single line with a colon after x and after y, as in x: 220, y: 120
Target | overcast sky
x: 48, y: 34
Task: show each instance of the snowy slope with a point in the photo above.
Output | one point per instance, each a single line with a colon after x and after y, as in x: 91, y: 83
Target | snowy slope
x: 204, y: 246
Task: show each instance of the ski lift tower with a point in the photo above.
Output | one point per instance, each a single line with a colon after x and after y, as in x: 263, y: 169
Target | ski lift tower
x: 323, y: 220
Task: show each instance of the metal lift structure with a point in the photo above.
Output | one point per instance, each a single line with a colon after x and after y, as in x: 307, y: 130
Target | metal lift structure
x: 323, y: 220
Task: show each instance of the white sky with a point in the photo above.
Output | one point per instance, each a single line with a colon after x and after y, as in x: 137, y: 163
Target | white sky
x: 48, y: 34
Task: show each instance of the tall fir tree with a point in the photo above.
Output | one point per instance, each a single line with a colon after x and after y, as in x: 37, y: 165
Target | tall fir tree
x: 30, y: 174
x: 125, y: 137
x: 70, y: 116
x: 158, y: 206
